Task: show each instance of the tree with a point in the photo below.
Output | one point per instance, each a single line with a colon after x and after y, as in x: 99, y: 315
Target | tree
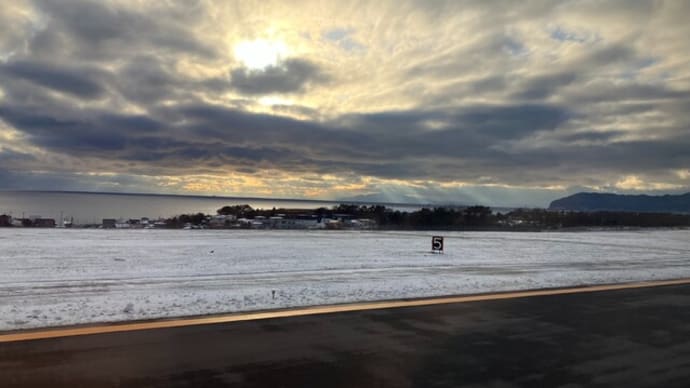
x: 236, y: 210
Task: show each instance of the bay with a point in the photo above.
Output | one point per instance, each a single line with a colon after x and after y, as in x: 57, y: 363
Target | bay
x: 91, y: 208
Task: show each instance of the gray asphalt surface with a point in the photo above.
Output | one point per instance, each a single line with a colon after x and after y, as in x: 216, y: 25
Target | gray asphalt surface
x: 625, y: 338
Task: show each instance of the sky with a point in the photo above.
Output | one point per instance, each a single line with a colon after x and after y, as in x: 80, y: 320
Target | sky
x: 501, y: 103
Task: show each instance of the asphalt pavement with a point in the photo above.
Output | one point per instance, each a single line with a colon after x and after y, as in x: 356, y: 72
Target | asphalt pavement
x: 623, y: 338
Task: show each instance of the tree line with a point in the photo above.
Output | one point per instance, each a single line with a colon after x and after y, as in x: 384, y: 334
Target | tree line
x: 467, y: 218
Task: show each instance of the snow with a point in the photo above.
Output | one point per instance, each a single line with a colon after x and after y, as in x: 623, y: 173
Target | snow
x: 52, y: 277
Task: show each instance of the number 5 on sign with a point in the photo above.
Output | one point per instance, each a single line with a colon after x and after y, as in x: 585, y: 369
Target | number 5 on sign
x: 437, y: 244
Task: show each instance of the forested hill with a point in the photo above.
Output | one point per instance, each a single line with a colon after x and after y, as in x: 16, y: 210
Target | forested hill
x: 618, y: 202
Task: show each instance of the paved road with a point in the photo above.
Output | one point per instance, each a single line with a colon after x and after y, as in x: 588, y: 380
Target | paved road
x: 632, y: 338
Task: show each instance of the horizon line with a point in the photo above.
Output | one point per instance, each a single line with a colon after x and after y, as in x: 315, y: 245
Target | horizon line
x: 207, y: 196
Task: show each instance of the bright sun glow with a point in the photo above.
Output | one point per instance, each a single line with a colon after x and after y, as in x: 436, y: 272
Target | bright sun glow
x: 259, y: 54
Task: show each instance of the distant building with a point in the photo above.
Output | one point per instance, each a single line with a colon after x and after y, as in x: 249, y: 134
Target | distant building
x: 221, y: 221
x: 109, y: 223
x: 278, y: 222
x: 363, y: 223
x: 333, y: 224
x: 122, y: 224
x: 159, y: 224
x: 306, y: 221
x: 343, y: 217
x: 44, y: 223
x: 5, y: 220
x: 244, y: 223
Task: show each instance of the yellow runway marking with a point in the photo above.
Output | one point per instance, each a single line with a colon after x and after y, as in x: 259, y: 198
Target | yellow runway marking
x: 302, y: 311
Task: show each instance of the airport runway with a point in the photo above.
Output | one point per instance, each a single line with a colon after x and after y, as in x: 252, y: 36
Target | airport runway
x: 637, y: 337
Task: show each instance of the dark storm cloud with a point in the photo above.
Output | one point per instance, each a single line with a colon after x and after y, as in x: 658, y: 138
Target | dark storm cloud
x: 147, y: 80
x: 375, y: 136
x: 79, y: 82
x: 97, y: 30
x: 641, y: 155
x: 291, y: 76
x: 144, y: 80
x: 72, y: 133
x: 393, y: 144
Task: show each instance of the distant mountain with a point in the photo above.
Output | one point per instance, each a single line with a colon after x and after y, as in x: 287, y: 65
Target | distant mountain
x: 619, y: 202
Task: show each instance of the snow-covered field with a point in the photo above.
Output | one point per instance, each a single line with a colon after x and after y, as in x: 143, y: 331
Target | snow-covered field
x: 51, y: 277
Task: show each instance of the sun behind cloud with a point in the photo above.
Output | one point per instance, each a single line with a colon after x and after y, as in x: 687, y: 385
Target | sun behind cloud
x: 261, y: 53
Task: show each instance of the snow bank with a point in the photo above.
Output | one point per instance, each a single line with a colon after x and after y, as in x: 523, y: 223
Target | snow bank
x: 54, y: 277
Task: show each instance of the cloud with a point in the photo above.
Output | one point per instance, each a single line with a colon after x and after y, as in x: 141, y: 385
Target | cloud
x: 102, y: 30
x: 77, y: 82
x: 520, y: 97
x: 10, y: 157
x: 291, y: 76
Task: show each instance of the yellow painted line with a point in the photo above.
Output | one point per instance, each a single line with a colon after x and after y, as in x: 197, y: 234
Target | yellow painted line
x: 296, y: 312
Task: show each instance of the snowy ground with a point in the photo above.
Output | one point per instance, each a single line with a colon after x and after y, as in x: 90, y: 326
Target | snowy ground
x: 59, y: 277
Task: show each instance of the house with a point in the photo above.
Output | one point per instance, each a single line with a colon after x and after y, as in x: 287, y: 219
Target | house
x: 332, y: 224
x: 244, y: 222
x: 343, y: 217
x: 306, y: 221
x: 277, y: 222
x: 5, y: 220
x: 221, y: 221
x: 122, y: 224
x: 260, y: 222
x: 44, y: 223
x: 280, y: 221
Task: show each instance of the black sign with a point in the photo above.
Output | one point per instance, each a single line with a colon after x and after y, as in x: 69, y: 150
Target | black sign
x: 437, y: 244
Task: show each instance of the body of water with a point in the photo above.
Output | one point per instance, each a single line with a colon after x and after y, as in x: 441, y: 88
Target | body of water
x: 93, y: 207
